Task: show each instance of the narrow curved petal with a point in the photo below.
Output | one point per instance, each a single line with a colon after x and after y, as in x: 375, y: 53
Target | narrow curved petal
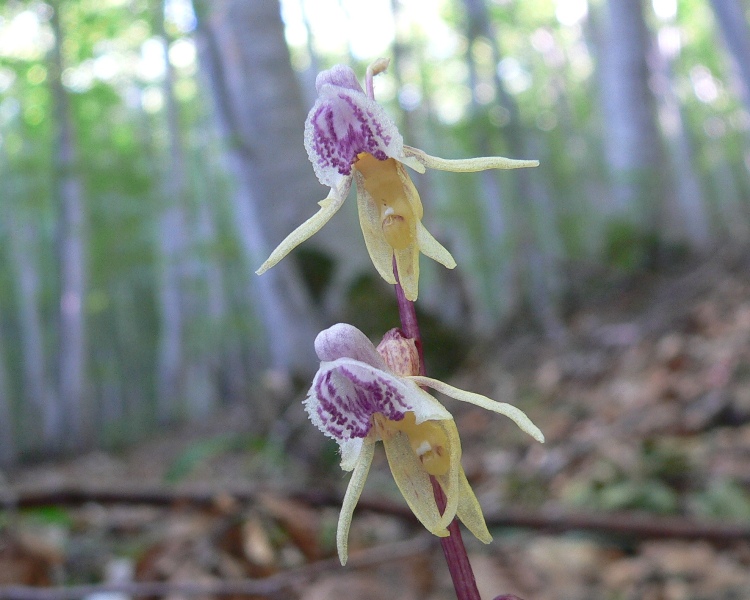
x: 469, y: 511
x: 415, y: 485
x: 328, y: 208
x: 353, y: 492
x: 407, y: 263
x: 433, y: 249
x: 410, y: 161
x: 410, y: 191
x: 378, y: 248
x: 451, y: 481
x: 468, y: 165
x: 517, y: 415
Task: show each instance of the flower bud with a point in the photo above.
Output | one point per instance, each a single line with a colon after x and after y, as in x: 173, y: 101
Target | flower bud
x: 399, y: 353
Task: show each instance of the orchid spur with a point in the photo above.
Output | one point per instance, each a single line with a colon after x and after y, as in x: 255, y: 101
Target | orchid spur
x: 362, y: 394
x: 348, y: 136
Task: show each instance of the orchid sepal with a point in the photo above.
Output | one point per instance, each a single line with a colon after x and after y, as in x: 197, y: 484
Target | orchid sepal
x: 503, y: 408
x: 467, y: 165
x: 328, y: 207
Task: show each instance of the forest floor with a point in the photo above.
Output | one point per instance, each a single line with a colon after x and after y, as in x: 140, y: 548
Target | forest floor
x: 642, y: 490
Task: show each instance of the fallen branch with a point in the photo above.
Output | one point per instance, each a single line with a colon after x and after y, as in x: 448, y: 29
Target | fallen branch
x: 270, y: 586
x: 624, y: 524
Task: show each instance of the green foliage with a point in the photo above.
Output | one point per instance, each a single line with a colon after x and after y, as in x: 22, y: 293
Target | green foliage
x: 661, y: 472
x: 203, y: 451
x: 629, y: 248
x: 722, y: 499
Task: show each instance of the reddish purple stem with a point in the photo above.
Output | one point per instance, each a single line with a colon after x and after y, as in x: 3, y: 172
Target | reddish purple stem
x: 453, y: 545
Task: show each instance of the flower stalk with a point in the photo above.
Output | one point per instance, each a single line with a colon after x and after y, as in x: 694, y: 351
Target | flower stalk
x: 453, y: 545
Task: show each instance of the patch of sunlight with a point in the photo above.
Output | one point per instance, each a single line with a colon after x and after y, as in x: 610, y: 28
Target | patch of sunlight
x: 151, y: 66
x: 571, y: 12
x: 25, y: 37
x: 665, y: 10
x: 152, y: 99
x: 79, y: 79
x: 7, y: 79
x: 182, y: 54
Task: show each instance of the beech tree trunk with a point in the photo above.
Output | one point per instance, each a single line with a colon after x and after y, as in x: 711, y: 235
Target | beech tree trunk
x: 732, y: 18
x: 42, y: 419
x: 7, y: 430
x: 528, y: 209
x: 243, y: 52
x: 72, y: 244
x: 172, y: 246
x: 631, y: 138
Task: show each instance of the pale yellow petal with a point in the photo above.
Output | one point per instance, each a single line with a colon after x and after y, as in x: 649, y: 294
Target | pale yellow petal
x: 407, y: 262
x: 517, y: 415
x: 433, y: 249
x: 328, y: 208
x: 414, y: 483
x: 410, y: 191
x: 451, y: 481
x: 468, y: 165
x: 469, y: 511
x: 412, y: 162
x: 379, y: 250
x: 353, y: 492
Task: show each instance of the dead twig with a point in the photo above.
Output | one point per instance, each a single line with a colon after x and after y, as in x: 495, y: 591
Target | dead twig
x: 632, y: 525
x: 270, y: 586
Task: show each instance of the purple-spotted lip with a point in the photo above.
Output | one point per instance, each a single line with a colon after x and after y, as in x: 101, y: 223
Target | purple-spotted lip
x: 343, y: 123
x: 349, y: 393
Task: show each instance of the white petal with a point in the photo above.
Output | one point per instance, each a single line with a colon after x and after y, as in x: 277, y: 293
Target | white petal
x: 468, y: 165
x: 343, y: 123
x: 350, y: 450
x: 346, y: 341
x: 346, y: 393
x: 328, y: 208
x: 353, y: 492
x: 516, y: 414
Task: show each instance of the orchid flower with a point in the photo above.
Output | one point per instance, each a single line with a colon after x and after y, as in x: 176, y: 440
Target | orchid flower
x: 362, y: 394
x: 348, y: 136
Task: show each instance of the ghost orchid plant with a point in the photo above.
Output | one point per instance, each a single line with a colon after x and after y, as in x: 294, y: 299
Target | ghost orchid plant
x: 362, y: 394
x: 349, y: 137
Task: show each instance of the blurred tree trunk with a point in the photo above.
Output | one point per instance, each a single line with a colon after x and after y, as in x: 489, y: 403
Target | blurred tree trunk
x: 258, y: 104
x: 531, y: 213
x: 172, y: 245
x: 43, y: 419
x: 686, y: 218
x: 631, y: 138
x: 72, y: 243
x: 732, y: 18
x: 7, y: 432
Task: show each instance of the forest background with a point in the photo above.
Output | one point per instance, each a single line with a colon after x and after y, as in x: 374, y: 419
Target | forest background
x: 151, y: 156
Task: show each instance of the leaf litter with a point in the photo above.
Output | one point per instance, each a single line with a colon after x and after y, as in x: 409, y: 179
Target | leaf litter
x: 646, y: 408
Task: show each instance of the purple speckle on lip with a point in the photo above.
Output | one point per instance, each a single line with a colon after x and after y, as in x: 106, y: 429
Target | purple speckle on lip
x: 343, y: 123
x: 341, y: 130
x: 348, y: 396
